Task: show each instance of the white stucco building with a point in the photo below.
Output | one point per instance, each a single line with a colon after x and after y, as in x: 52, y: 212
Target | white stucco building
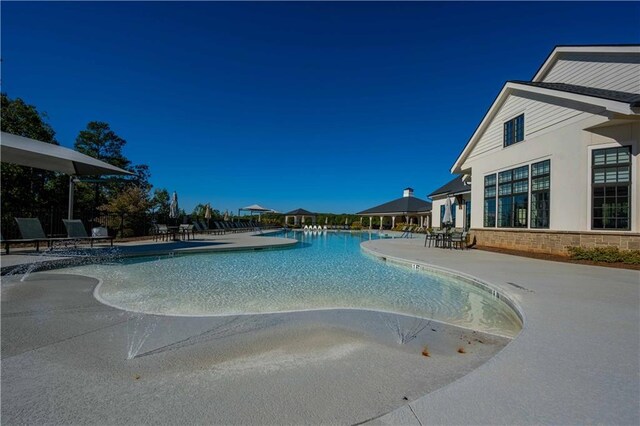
x: 554, y: 162
x: 459, y: 192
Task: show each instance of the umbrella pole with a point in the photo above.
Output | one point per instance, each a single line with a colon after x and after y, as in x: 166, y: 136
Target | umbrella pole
x: 71, y: 192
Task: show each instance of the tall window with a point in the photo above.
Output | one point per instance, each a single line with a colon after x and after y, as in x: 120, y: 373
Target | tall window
x: 611, y: 187
x: 514, y: 130
x: 540, y: 194
x: 513, y: 188
x: 467, y: 215
x: 490, y: 201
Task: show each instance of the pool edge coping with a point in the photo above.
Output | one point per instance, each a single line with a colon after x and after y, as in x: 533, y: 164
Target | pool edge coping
x: 469, y: 279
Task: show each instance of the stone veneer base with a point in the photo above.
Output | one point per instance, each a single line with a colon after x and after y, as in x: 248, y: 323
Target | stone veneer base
x: 552, y: 242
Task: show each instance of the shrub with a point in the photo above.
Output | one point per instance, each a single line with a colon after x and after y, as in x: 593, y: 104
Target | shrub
x: 399, y: 226
x: 605, y: 254
x: 356, y: 226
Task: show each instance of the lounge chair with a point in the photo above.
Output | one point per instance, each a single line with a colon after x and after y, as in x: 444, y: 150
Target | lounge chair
x: 76, y: 231
x: 7, y: 243
x: 31, y: 230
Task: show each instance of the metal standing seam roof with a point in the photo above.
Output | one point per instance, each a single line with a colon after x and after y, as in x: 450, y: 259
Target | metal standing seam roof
x: 299, y: 212
x: 454, y: 186
x: 632, y: 99
x: 403, y: 205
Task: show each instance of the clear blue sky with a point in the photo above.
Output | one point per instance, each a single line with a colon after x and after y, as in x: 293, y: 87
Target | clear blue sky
x: 326, y: 106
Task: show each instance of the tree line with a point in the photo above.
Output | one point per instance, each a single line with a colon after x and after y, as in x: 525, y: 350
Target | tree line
x: 31, y: 192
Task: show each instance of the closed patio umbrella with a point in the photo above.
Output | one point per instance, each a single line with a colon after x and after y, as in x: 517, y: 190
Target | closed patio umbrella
x: 226, y: 216
x: 207, y: 214
x: 446, y: 219
x: 173, y: 207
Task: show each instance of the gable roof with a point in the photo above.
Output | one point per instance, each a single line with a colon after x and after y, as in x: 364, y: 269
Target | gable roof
x: 562, y: 50
x: 300, y: 212
x: 453, y: 187
x: 582, y: 95
x: 402, y: 205
x: 633, y: 99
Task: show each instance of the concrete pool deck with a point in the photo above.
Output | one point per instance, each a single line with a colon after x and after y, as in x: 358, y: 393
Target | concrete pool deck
x: 68, y: 359
x: 576, y: 360
x: 21, y: 257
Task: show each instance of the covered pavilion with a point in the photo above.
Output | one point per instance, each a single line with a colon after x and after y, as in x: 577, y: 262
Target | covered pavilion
x: 413, y: 210
x: 255, y: 208
x: 299, y: 216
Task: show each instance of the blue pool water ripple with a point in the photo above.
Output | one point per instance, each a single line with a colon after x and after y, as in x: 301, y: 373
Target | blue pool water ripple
x: 327, y: 271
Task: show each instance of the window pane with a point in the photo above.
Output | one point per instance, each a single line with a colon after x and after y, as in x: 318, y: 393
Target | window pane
x: 539, y: 184
x: 490, y: 192
x: 623, y: 174
x: 490, y: 213
x: 612, y: 156
x: 521, y: 173
x: 504, y: 176
x: 504, y: 212
x: 520, y: 211
x: 508, y: 133
x: 611, y: 174
x: 519, y: 187
x: 490, y: 180
x: 540, y: 168
x: 519, y: 128
x: 624, y: 155
x: 504, y: 189
x: 598, y: 176
x: 598, y: 157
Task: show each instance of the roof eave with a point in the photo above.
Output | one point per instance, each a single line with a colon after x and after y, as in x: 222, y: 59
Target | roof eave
x: 613, y: 106
x: 559, y: 50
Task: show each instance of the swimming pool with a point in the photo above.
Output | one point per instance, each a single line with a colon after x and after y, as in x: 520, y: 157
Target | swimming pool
x: 324, y: 271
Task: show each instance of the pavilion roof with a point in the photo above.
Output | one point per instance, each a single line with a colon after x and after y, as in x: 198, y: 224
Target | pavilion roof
x: 300, y: 212
x: 402, y: 205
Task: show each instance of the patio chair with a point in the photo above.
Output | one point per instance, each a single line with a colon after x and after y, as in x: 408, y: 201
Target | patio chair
x: 31, y: 230
x: 160, y: 231
x: 76, y: 231
x: 459, y: 239
x: 430, y: 237
x: 186, y: 230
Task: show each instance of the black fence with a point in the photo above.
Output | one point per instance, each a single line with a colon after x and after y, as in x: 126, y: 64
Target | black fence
x: 52, y: 224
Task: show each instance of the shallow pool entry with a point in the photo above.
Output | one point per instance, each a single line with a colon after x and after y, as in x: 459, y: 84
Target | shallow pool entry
x: 326, y: 270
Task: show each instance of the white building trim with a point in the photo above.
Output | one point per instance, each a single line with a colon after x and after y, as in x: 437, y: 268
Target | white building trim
x: 559, y: 51
x: 511, y: 87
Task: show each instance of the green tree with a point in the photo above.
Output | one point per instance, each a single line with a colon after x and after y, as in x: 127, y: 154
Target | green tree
x: 99, y: 141
x: 131, y: 206
x: 26, y: 191
x: 160, y: 204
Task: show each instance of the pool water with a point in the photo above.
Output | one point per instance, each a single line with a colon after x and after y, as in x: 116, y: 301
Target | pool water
x: 325, y: 270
